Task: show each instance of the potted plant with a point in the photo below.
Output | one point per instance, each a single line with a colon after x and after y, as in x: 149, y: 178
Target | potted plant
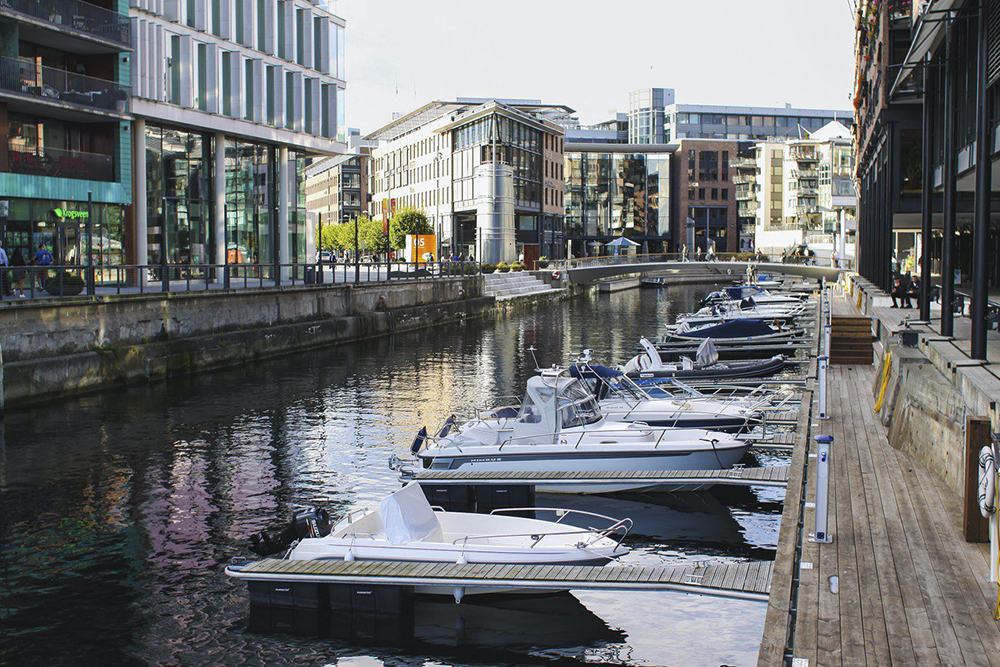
x: 489, y: 268
x: 543, y: 262
x: 503, y: 267
x: 64, y: 284
x: 517, y: 266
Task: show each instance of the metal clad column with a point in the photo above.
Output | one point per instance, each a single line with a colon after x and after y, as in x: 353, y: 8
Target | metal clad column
x: 948, y: 182
x: 284, y: 257
x: 219, y: 206
x: 139, y: 201
x: 984, y: 177
x: 927, y: 194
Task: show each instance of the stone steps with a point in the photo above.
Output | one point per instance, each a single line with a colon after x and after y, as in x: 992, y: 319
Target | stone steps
x: 511, y: 284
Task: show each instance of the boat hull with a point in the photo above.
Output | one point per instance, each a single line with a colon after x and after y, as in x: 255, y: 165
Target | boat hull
x: 721, y: 458
x: 730, y: 371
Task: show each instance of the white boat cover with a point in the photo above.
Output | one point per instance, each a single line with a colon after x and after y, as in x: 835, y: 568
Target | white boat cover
x: 707, y: 354
x: 408, y: 517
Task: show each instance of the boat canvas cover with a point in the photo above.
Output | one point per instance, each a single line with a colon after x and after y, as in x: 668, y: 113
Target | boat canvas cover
x: 743, y: 328
x: 408, y: 517
x: 707, y: 354
x: 591, y: 372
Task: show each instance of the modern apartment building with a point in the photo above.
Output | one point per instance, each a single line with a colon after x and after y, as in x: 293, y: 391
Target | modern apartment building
x: 805, y: 193
x: 64, y: 108
x: 231, y: 97
x: 654, y: 117
x: 488, y: 174
x: 337, y: 187
x: 705, y: 204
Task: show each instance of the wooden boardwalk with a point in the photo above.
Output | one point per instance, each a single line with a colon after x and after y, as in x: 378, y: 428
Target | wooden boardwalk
x: 770, y: 476
x: 898, y: 585
x: 747, y: 580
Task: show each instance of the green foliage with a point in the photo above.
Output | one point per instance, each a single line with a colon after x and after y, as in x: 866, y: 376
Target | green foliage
x: 407, y: 221
x: 517, y: 266
x: 489, y: 268
x: 64, y: 284
x: 503, y: 267
x: 371, y: 238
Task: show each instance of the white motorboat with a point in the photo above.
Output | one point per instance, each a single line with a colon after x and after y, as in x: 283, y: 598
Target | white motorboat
x: 648, y: 366
x: 560, y: 427
x: 621, y: 399
x: 760, y: 296
x: 745, y: 309
x: 404, y: 527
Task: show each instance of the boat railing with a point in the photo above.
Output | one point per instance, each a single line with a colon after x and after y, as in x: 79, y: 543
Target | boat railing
x: 620, y: 527
x: 560, y: 436
x: 617, y: 525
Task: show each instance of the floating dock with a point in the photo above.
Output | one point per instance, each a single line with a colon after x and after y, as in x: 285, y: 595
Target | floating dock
x: 770, y: 476
x: 749, y: 580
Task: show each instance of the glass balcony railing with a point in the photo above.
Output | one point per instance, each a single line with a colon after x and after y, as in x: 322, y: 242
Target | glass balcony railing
x: 42, y: 161
x: 56, y: 85
x: 77, y: 16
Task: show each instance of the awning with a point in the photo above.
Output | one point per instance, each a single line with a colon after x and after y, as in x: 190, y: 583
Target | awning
x: 622, y: 242
x: 926, y: 37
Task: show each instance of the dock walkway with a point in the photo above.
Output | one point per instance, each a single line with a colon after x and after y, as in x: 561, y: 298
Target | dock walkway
x: 899, y: 584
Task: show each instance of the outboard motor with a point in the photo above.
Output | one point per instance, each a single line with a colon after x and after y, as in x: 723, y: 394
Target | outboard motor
x: 306, y: 522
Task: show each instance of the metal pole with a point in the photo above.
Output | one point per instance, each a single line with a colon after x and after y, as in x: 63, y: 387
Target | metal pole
x: 319, y: 278
x: 357, y: 266
x: 821, y: 534
x: 91, y: 287
x: 164, y: 275
x: 948, y: 167
x: 824, y: 362
x: 926, y: 197
x: 984, y: 177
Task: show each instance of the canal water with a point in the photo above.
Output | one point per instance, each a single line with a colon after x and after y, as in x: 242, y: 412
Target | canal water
x: 118, y: 511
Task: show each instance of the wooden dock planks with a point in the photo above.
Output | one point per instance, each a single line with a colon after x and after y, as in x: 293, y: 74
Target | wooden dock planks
x: 749, y: 579
x: 766, y: 476
x: 910, y: 589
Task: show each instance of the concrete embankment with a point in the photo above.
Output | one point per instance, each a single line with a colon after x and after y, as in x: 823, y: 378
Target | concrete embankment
x: 59, y: 347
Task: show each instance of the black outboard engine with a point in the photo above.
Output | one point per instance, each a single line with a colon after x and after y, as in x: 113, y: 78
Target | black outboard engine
x: 306, y: 522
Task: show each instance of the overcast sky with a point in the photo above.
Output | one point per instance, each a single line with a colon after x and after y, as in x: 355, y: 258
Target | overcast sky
x: 588, y: 55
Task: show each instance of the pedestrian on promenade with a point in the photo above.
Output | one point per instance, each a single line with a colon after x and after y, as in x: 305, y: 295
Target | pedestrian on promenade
x: 4, y: 274
x: 760, y: 255
x: 684, y: 253
x: 42, y: 258
x: 701, y: 254
x: 711, y: 253
x: 20, y: 266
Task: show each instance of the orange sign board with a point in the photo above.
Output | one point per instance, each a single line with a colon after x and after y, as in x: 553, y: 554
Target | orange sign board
x: 422, y: 247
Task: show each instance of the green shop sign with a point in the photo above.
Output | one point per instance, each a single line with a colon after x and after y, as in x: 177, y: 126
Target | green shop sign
x: 71, y: 215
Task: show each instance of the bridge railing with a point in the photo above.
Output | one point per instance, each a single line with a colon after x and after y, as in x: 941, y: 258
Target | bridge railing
x: 654, y: 258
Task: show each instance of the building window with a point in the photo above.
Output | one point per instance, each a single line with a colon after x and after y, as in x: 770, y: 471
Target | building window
x: 248, y: 89
x: 227, y: 83
x: 708, y: 166
x: 701, y: 193
x: 715, y: 193
x: 725, y: 194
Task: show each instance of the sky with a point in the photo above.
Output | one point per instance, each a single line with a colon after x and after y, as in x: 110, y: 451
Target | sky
x: 588, y: 55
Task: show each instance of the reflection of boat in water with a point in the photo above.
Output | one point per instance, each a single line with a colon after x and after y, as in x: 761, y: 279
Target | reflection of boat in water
x: 549, y: 621
x: 668, y: 518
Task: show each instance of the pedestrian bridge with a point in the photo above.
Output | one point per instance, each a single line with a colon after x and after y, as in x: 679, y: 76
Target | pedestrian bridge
x: 589, y: 270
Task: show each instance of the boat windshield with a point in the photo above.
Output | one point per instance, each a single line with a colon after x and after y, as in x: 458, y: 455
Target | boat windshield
x: 531, y: 413
x: 577, y: 406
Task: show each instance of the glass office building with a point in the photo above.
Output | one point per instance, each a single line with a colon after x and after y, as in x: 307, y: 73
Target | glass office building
x: 617, y: 194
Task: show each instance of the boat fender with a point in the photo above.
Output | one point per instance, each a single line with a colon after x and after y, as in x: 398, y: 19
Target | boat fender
x: 987, y: 482
x: 556, y: 275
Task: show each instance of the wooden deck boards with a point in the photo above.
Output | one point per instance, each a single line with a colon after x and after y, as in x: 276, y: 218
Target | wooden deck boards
x: 752, y: 578
x: 909, y: 590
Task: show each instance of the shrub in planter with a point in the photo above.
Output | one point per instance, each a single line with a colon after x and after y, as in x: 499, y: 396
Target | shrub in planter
x: 543, y: 262
x: 503, y: 267
x: 64, y: 284
x: 489, y: 268
x: 517, y: 266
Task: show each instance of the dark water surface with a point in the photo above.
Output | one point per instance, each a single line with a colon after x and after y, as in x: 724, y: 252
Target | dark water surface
x: 118, y: 511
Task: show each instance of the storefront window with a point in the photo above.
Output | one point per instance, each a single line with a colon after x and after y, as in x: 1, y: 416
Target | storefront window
x: 251, y: 182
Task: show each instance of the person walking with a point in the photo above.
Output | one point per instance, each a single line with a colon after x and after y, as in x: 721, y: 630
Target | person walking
x: 20, y: 265
x: 42, y: 258
x: 711, y: 253
x: 4, y: 277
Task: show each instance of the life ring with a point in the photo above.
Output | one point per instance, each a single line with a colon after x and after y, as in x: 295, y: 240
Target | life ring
x: 729, y: 271
x: 556, y: 275
x: 987, y: 482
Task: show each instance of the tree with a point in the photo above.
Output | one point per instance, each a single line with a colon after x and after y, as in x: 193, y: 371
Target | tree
x: 328, y: 239
x: 407, y: 221
x: 371, y: 237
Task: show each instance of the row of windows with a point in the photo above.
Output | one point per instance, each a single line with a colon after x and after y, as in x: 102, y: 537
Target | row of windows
x: 746, y: 121
x: 699, y: 193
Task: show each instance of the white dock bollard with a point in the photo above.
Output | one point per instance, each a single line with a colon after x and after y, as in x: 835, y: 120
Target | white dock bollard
x: 823, y: 443
x: 824, y: 362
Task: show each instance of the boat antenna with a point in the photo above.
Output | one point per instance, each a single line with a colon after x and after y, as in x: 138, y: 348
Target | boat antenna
x: 531, y: 348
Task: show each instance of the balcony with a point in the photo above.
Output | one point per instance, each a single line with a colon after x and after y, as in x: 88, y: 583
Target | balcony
x: 72, y: 17
x: 805, y: 173
x: 808, y: 190
x: 743, y: 163
x: 805, y: 156
x: 745, y: 195
x: 747, y: 209
x: 32, y: 84
x: 742, y: 179
x: 58, y: 163
x: 806, y: 209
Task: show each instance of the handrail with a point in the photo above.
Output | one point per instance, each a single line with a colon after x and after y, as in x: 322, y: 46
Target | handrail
x: 26, y: 77
x: 76, y: 16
